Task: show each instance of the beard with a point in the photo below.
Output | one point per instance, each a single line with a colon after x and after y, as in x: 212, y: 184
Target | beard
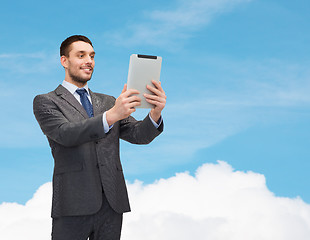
x: 79, y: 79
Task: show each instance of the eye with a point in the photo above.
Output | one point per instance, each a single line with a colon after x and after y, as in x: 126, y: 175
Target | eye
x: 92, y: 56
x: 81, y: 55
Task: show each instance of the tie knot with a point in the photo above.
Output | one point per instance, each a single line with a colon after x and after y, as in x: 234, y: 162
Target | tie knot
x: 81, y: 92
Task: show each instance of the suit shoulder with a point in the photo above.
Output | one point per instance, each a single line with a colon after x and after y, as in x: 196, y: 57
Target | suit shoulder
x: 44, y: 98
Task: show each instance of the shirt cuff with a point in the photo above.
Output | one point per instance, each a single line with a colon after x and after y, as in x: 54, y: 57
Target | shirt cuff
x: 155, y: 123
x: 106, y: 127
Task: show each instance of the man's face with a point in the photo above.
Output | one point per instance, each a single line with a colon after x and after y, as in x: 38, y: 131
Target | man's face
x: 80, y: 63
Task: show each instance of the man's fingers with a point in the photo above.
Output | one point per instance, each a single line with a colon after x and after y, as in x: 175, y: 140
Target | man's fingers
x: 154, y: 97
x: 134, y: 98
x: 152, y: 102
x: 134, y: 104
x: 130, y: 99
x: 130, y: 92
x: 157, y: 92
x: 159, y: 105
x: 153, y: 90
x: 157, y: 85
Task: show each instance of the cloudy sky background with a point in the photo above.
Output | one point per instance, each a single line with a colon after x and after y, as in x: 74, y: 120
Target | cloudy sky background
x: 236, y: 73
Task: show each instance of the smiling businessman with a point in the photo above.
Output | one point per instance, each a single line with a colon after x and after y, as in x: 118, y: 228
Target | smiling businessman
x: 83, y: 129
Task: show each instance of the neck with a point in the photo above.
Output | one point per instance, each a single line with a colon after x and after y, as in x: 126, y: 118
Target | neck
x: 76, y: 83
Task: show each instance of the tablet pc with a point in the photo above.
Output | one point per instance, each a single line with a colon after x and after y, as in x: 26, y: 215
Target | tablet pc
x: 142, y: 70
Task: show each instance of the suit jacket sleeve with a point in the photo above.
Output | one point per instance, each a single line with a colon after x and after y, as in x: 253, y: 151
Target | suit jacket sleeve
x: 139, y: 132
x: 56, y: 126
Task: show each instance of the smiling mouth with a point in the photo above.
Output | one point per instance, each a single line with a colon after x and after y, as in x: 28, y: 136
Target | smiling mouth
x: 87, y: 69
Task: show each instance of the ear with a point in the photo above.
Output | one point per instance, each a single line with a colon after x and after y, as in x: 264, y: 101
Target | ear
x: 64, y: 61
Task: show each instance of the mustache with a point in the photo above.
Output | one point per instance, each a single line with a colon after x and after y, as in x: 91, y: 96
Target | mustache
x: 87, y: 66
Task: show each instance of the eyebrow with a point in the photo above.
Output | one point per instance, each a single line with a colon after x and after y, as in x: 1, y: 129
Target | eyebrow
x: 93, y: 52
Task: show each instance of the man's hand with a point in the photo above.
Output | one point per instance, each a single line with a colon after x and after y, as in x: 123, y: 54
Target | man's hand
x: 124, y: 105
x: 158, y: 100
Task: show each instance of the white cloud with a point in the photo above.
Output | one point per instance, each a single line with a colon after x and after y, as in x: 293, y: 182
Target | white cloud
x: 162, y: 27
x: 217, y: 203
x: 30, y: 221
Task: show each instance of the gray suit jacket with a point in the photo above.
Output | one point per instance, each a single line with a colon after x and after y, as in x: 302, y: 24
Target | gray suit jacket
x: 87, y: 160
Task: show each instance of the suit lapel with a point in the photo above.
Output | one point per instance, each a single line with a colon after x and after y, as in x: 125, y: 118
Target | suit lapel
x: 100, y: 103
x: 95, y: 102
x: 67, y: 96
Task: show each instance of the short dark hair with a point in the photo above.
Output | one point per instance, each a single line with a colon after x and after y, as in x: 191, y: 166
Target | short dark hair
x: 65, y: 45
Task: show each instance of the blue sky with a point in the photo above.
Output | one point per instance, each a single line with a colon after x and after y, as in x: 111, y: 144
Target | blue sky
x: 236, y: 73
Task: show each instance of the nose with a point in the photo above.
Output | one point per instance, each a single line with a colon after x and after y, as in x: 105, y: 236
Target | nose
x: 90, y: 59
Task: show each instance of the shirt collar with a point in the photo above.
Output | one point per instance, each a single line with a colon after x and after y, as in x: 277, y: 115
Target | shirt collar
x: 72, y: 88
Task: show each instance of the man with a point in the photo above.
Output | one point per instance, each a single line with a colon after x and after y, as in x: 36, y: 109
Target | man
x: 83, y: 129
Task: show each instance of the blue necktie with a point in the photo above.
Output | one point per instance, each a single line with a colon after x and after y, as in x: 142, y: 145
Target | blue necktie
x: 85, y: 102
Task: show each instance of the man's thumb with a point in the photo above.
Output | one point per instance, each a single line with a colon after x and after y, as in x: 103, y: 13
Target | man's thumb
x: 125, y: 88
